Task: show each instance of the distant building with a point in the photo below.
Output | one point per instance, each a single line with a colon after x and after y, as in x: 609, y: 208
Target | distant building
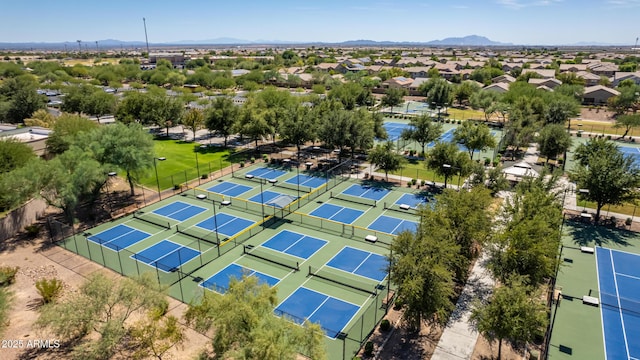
x: 176, y: 59
x: 35, y: 137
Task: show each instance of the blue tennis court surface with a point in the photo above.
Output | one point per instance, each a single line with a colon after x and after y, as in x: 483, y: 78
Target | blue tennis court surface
x: 331, y: 313
x: 273, y: 198
x: 366, y: 192
x: 361, y: 263
x: 119, y: 237
x: 413, y: 200
x: 619, y: 287
x: 179, y: 211
x: 228, y: 225
x: 391, y: 225
x: 306, y: 180
x: 394, y: 130
x: 166, y: 255
x: 633, y: 152
x: 295, y: 244
x: 220, y: 281
x: 266, y: 173
x: 229, y: 189
x: 337, y: 213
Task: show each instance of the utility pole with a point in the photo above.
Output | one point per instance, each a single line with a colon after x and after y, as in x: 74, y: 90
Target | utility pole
x: 144, y: 21
x: 79, y: 45
x: 97, y: 48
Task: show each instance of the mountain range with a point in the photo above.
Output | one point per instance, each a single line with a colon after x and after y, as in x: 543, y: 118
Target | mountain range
x: 470, y: 41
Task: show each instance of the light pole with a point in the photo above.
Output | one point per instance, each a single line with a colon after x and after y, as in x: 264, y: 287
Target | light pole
x: 155, y: 166
x: 447, y: 169
x: 111, y: 175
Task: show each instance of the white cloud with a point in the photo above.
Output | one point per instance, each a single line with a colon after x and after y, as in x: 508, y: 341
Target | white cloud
x: 624, y: 3
x: 519, y: 4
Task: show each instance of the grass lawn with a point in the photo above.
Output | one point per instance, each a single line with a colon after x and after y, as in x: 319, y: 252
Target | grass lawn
x: 601, y: 127
x: 416, y: 169
x: 180, y: 163
x: 465, y: 114
x: 626, y: 209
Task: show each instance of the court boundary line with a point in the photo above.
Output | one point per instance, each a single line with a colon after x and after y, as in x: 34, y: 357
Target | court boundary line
x: 246, y: 256
x: 242, y: 266
x: 326, y: 264
x: 219, y: 226
x: 393, y: 217
x: 343, y: 207
x: 170, y: 218
x: 604, y: 334
x: 123, y: 223
x: 629, y: 276
x: 325, y: 242
x: 615, y: 281
x: 235, y: 185
x: 158, y: 259
x: 412, y: 207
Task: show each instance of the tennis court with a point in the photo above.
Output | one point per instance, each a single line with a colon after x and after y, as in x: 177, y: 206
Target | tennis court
x: 306, y: 180
x: 265, y: 173
x: 337, y: 213
x: 119, y: 237
x: 634, y: 152
x: 412, y: 200
x: 366, y: 192
x: 179, y: 211
x: 230, y: 189
x: 219, y: 282
x: 331, y: 313
x: 225, y: 224
x: 295, y: 244
x: 360, y: 262
x: 394, y: 129
x: 392, y: 225
x: 619, y: 288
x: 273, y: 198
x: 166, y: 255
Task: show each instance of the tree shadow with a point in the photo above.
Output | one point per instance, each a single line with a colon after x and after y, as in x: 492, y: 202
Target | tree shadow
x: 588, y: 234
x: 475, y: 288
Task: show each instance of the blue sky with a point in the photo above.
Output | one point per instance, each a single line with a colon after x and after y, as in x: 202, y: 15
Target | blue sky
x: 535, y: 22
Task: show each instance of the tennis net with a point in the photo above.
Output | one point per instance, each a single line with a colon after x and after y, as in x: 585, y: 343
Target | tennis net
x: 148, y: 218
x: 270, y: 256
x: 619, y: 302
x: 198, y: 234
x: 336, y: 278
x: 353, y: 199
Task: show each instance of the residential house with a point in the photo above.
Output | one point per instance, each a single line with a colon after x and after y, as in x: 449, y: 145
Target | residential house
x: 397, y: 82
x: 418, y: 71
x: 607, y: 69
x: 590, y: 79
x: 598, y: 95
x: 497, y: 87
x: 544, y: 73
x: 573, y: 67
x: 506, y: 78
x: 620, y: 76
x: 327, y: 66
x: 415, y: 85
x: 550, y: 83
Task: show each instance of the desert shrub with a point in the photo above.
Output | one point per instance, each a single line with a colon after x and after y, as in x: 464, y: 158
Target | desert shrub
x: 7, y: 275
x: 49, y: 289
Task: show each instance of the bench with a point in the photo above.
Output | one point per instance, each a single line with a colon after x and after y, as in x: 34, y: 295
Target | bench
x: 590, y: 300
x: 225, y: 203
x: 586, y: 249
x: 404, y: 207
x: 201, y: 196
x: 249, y: 176
x: 371, y: 238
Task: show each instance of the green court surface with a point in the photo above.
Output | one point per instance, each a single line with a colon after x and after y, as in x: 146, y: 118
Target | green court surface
x: 577, y: 331
x: 322, y: 239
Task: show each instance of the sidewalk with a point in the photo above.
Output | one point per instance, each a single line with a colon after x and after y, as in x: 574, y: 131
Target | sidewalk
x: 459, y: 338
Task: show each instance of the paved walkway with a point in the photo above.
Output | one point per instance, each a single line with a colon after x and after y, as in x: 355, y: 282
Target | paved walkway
x: 459, y: 338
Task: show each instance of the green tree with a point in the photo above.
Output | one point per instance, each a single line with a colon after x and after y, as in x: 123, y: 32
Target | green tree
x: 222, y: 117
x: 393, y: 97
x: 423, y: 268
x: 446, y: 160
x: 610, y: 177
x: 100, y: 314
x: 560, y: 109
x: 128, y: 148
x: 484, y: 100
x: 475, y: 137
x: 245, y: 328
x: 20, y: 98
x: 76, y: 97
x: 99, y: 104
x: 163, y: 111
x: 66, y: 128
x: 422, y: 130
x: 463, y: 92
x: 297, y: 126
x: 385, y: 158
x: 514, y: 313
x: 626, y: 100
x: 41, y: 118
x: 553, y: 140
x: 628, y: 122
x: 14, y: 154
x: 252, y: 122
x: 194, y: 120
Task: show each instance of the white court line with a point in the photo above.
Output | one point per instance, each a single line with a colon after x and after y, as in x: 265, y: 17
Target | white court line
x: 604, y: 335
x: 629, y: 276
x: 615, y: 280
